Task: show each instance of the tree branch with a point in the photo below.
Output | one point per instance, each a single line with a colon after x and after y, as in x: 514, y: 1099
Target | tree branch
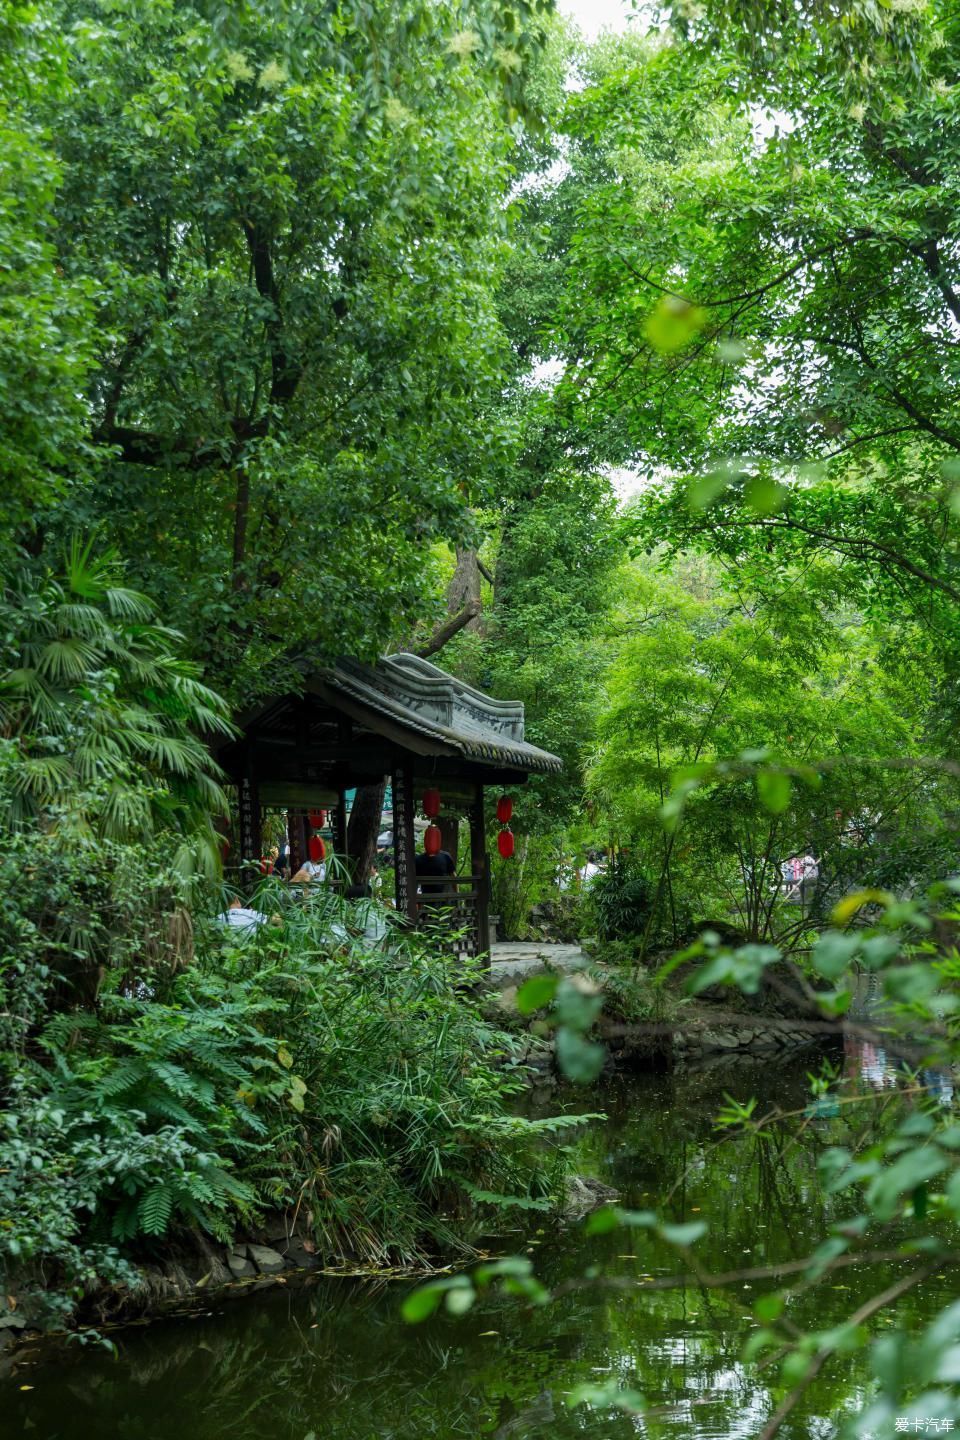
x: 286, y: 374
x: 930, y: 255
x: 866, y: 440
x: 449, y: 628
x: 144, y: 447
x: 866, y: 1311
x: 845, y: 542
x: 759, y: 290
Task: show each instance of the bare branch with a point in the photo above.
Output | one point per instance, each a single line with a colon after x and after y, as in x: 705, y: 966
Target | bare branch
x: 448, y: 629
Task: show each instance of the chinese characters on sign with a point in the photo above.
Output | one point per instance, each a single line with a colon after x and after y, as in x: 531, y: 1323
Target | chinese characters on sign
x: 914, y: 1425
x: 401, y: 824
x: 248, y: 845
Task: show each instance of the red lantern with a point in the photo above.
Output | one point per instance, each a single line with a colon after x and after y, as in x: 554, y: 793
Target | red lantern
x: 505, y: 809
x: 505, y: 843
x: 431, y: 840
x: 317, y: 849
x: 317, y: 818
x: 431, y: 804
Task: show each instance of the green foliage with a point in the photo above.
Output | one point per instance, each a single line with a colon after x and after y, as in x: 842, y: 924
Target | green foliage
x: 536, y: 875
x: 292, y: 222
x: 810, y: 424
x: 745, y: 728
x: 98, y: 705
x: 621, y: 898
x: 630, y: 993
x: 79, y: 912
x: 46, y: 316
x: 294, y: 1069
x: 574, y: 1003
x: 106, y: 791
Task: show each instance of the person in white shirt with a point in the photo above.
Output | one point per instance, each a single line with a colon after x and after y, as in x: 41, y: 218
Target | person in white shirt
x: 239, y: 917
x: 312, y: 870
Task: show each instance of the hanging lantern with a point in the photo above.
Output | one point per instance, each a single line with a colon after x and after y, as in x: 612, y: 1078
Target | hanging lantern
x: 431, y: 840
x: 317, y: 818
x: 505, y: 809
x: 317, y: 849
x: 431, y: 804
x: 505, y: 843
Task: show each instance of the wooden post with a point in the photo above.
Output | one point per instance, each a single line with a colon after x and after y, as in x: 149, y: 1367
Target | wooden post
x: 450, y: 835
x: 480, y: 866
x: 297, y: 838
x: 249, y: 815
x: 404, y: 848
x: 340, y: 826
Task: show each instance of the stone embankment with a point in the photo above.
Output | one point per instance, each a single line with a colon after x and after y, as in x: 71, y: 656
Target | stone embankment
x: 700, y: 1031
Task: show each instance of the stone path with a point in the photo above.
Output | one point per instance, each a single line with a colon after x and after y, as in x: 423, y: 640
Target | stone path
x: 512, y: 961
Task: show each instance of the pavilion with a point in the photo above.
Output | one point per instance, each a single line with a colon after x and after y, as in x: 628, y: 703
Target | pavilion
x: 403, y: 719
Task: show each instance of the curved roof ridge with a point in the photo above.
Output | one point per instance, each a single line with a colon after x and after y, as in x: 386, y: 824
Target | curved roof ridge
x: 425, y: 699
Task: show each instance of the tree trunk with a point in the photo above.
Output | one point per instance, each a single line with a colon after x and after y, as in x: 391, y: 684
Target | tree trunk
x: 463, y: 592
x: 450, y: 835
x: 449, y: 628
x: 364, y: 828
x: 241, y: 515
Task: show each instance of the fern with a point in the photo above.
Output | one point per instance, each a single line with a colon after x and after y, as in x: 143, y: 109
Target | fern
x: 125, y: 1223
x: 163, y: 1108
x: 126, y: 1075
x: 154, y: 1209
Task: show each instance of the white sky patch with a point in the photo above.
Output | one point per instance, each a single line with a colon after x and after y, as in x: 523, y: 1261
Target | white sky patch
x: 627, y: 483
x: 592, y: 16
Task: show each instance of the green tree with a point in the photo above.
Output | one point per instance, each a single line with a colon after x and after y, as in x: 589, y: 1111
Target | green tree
x: 773, y: 312
x: 722, y: 702
x: 46, y: 316
x: 293, y: 219
x: 101, y: 718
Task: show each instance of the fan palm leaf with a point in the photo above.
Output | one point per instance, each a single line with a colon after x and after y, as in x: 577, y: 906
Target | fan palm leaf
x: 106, y: 711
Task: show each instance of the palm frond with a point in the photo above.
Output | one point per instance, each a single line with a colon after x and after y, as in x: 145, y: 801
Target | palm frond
x: 84, y: 574
x: 124, y: 604
x: 85, y: 621
x: 67, y: 660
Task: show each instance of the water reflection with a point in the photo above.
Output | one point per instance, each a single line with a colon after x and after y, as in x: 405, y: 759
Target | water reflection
x: 869, y: 1065
x: 334, y: 1362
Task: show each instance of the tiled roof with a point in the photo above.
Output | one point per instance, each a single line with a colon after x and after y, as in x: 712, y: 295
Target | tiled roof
x: 422, y: 698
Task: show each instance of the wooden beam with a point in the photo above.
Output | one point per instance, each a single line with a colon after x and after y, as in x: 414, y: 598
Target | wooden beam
x: 480, y: 865
x: 404, y: 849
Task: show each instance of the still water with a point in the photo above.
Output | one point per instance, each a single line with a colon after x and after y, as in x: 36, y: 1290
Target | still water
x: 333, y: 1361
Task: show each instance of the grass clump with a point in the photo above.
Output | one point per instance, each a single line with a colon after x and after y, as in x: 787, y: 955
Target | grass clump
x: 354, y: 1086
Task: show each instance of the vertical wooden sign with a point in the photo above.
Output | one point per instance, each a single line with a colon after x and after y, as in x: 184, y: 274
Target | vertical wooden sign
x: 249, y: 818
x: 404, y: 852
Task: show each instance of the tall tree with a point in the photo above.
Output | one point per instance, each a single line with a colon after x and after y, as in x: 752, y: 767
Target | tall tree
x: 775, y: 313
x: 46, y: 316
x: 292, y: 219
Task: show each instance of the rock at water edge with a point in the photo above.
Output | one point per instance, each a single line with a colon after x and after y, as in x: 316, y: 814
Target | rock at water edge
x: 267, y: 1261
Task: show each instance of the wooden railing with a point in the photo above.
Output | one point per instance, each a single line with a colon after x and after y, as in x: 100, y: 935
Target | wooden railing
x: 459, y: 908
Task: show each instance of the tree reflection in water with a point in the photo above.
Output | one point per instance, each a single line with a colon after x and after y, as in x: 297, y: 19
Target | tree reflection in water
x: 335, y: 1361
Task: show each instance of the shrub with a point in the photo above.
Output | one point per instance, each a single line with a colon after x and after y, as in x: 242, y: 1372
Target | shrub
x: 354, y: 1085
x: 621, y: 898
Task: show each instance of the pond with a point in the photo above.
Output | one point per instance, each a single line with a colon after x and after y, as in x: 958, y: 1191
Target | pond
x: 333, y: 1361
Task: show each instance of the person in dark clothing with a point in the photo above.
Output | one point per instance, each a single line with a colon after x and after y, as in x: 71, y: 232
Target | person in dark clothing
x: 432, y: 870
